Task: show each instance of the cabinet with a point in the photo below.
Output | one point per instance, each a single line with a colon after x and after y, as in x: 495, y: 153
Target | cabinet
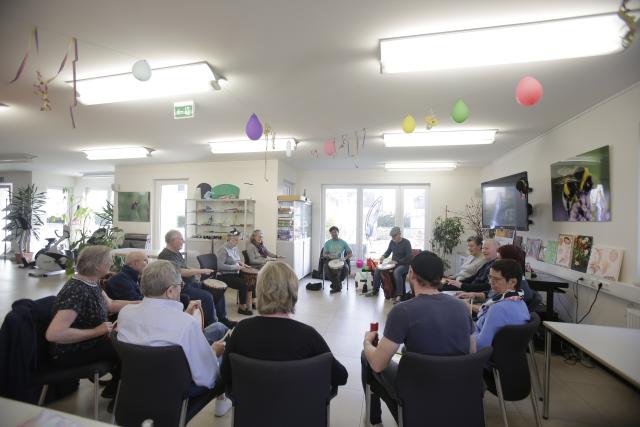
x: 208, y: 221
x: 294, y: 235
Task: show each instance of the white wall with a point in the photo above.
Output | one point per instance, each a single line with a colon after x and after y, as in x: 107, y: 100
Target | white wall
x: 19, y: 179
x: 614, y: 122
x: 142, y: 178
x: 452, y: 189
x: 44, y: 180
x: 286, y: 172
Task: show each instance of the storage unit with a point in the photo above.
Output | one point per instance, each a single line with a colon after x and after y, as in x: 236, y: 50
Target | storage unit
x: 294, y: 235
x: 209, y: 220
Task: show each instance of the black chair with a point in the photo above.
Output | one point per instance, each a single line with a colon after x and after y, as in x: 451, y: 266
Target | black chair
x: 245, y: 257
x: 509, y: 377
x: 43, y: 374
x: 283, y: 393
x: 209, y: 261
x: 322, y: 261
x: 154, y: 384
x: 443, y: 390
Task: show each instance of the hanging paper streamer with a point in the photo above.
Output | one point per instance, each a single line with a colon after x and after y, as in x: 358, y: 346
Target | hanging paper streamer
x: 529, y: 91
x: 409, y: 124
x: 330, y: 147
x: 460, y: 111
x: 630, y: 21
x: 42, y: 90
x: 254, y: 128
x: 315, y: 153
x: 430, y: 121
x: 33, y: 39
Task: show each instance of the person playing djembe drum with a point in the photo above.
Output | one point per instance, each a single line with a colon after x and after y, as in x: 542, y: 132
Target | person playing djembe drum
x: 257, y: 252
x: 401, y: 249
x: 229, y: 267
x: 336, y: 249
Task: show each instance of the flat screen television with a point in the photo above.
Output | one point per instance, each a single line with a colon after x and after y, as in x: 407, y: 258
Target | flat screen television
x: 503, y: 205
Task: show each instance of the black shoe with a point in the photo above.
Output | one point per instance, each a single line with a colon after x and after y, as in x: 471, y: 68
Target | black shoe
x: 111, y: 406
x: 228, y: 323
x: 110, y: 390
x: 245, y: 311
x: 335, y: 290
x: 253, y: 306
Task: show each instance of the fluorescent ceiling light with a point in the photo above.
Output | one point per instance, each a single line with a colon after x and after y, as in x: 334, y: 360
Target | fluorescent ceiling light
x: 420, y: 166
x: 510, y: 44
x: 249, y: 146
x: 435, y: 138
x: 3, y: 107
x: 118, y: 153
x: 17, y: 158
x: 169, y: 81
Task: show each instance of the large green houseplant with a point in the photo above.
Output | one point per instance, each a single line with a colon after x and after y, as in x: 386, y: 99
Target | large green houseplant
x: 25, y: 217
x: 446, y: 236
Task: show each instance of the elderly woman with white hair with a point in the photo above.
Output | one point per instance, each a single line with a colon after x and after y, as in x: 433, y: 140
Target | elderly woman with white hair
x: 274, y: 335
x: 79, y: 329
x: 257, y: 252
x: 229, y: 266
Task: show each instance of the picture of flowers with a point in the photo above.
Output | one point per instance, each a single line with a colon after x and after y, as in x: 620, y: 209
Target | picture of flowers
x: 581, y: 253
x: 134, y: 207
x: 565, y: 249
x: 550, y: 252
x: 605, y: 262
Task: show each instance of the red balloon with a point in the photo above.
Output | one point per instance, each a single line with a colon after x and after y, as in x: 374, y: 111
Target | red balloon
x: 529, y: 91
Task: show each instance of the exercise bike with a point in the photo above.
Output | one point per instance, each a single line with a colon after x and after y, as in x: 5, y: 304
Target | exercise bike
x: 52, y: 259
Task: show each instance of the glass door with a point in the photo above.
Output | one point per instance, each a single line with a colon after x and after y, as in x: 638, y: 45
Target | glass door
x: 170, y: 209
x: 378, y: 218
x: 414, y: 224
x: 341, y: 210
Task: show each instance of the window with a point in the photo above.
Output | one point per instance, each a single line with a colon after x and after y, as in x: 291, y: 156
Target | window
x: 170, y: 208
x: 365, y: 215
x: 5, y: 199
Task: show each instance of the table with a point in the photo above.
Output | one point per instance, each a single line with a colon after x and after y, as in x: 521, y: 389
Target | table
x: 549, y: 284
x: 615, y: 348
x: 15, y: 413
x: 124, y: 251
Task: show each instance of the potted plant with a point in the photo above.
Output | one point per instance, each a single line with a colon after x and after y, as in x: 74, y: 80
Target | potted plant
x: 446, y: 236
x: 25, y: 218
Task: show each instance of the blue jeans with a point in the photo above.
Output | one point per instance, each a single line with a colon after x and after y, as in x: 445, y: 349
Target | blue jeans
x: 196, y: 293
x: 215, y: 332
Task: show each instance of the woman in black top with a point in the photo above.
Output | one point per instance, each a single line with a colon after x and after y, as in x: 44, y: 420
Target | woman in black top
x: 274, y: 335
x: 79, y: 329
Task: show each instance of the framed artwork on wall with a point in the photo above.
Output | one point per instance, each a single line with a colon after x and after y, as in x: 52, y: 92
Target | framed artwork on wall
x: 134, y: 207
x: 605, y: 262
x: 565, y: 250
x: 581, y: 253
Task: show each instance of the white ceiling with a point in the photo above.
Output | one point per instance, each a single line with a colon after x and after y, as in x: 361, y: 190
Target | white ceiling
x: 309, y: 68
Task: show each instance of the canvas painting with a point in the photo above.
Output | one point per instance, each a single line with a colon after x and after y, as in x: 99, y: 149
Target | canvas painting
x: 533, y: 247
x: 134, y: 207
x: 605, y: 262
x: 581, y: 253
x: 565, y: 249
x: 580, y: 187
x: 504, y: 235
x: 550, y: 252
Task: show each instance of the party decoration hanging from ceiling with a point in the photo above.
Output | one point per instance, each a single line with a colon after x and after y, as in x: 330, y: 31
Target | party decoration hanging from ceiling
x: 409, y: 124
x: 254, y: 128
x: 460, y: 111
x: 42, y: 84
x: 528, y: 91
x: 632, y: 24
x: 330, y: 148
x: 431, y: 121
x: 141, y: 70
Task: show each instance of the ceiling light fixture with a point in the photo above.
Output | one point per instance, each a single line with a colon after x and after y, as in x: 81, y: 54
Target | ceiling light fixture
x: 17, y: 158
x: 168, y: 81
x: 3, y: 107
x: 118, y: 153
x: 439, y: 138
x: 248, y: 146
x: 509, y: 44
x: 420, y: 166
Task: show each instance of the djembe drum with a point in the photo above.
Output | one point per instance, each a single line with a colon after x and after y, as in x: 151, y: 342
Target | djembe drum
x: 250, y: 277
x: 388, y: 282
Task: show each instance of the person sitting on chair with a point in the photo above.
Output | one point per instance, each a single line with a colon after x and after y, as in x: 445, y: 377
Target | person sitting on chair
x: 229, y: 266
x: 192, y: 286
x: 336, y: 248
x: 160, y: 321
x: 480, y: 281
x: 506, y: 306
x: 401, y: 249
x: 431, y: 323
x: 79, y: 326
x: 125, y: 285
x: 274, y: 335
x: 257, y: 252
x: 474, y: 261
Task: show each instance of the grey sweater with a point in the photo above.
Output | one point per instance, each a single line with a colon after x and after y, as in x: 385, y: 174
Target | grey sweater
x: 401, y: 251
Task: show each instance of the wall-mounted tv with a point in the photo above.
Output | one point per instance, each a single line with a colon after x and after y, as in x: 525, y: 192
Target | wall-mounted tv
x: 503, y: 205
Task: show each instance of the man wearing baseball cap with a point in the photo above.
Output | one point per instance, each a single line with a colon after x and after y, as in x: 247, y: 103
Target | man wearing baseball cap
x: 431, y: 323
x: 401, y: 249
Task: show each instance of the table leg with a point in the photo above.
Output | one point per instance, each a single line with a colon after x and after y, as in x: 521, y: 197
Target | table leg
x: 550, y: 305
x: 547, y: 373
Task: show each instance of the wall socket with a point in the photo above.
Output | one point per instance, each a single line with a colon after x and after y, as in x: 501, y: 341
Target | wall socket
x: 593, y: 282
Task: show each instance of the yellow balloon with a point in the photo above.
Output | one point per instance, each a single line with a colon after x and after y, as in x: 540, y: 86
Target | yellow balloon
x: 409, y: 124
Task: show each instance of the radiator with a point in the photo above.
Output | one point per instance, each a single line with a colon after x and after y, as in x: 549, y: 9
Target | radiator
x: 633, y: 318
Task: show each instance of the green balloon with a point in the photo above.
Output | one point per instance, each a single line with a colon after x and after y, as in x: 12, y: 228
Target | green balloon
x: 460, y: 111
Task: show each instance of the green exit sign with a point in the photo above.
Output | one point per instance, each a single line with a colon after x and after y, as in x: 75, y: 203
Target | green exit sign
x: 183, y: 110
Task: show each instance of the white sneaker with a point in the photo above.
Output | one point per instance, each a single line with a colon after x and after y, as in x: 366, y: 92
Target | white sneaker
x: 222, y: 407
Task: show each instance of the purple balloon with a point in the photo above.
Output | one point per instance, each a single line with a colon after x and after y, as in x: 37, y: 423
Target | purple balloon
x: 254, y: 128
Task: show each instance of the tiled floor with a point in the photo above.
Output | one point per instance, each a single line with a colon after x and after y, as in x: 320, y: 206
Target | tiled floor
x: 580, y: 396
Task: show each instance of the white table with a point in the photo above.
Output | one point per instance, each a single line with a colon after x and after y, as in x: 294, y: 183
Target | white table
x: 615, y: 348
x: 15, y: 413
